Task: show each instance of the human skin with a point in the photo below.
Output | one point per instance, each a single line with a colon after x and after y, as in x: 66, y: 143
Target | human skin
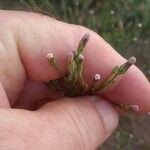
x: 61, y: 123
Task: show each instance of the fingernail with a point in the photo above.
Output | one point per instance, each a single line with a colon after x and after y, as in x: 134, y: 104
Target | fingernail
x: 108, y: 114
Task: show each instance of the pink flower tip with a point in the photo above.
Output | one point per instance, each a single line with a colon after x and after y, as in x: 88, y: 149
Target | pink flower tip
x: 85, y: 38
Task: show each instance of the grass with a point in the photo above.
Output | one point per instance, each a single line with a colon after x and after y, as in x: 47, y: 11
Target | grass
x: 125, y: 24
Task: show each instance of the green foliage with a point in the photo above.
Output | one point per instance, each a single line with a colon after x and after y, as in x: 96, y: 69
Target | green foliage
x: 71, y: 82
x: 117, y: 22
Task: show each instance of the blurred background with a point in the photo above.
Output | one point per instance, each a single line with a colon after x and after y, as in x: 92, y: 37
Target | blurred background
x: 125, y: 24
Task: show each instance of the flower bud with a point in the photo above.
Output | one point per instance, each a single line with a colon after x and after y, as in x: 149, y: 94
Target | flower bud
x: 132, y: 60
x: 85, y: 38
x: 97, y: 77
x: 127, y: 65
x: 81, y: 57
x: 50, y: 55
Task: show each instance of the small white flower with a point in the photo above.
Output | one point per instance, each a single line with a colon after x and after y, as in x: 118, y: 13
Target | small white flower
x: 132, y: 60
x: 134, y: 108
x: 97, y: 77
x: 131, y: 135
x: 81, y: 57
x: 112, y: 12
x: 140, y: 25
x: 91, y: 11
x: 135, y: 39
x: 50, y: 55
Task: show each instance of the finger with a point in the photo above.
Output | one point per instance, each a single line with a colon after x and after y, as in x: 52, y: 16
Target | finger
x: 35, y: 94
x: 59, y: 38
x: 4, y: 103
x: 19, y: 129
x: 80, y: 123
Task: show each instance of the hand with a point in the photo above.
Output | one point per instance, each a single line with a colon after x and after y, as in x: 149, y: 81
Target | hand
x: 62, y: 123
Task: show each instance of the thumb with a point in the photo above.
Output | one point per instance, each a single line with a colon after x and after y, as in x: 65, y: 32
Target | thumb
x: 78, y: 123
